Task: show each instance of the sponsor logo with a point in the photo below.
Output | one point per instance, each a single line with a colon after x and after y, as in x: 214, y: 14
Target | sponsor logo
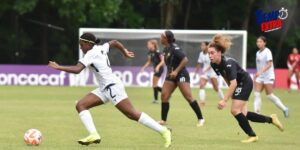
x: 32, y: 79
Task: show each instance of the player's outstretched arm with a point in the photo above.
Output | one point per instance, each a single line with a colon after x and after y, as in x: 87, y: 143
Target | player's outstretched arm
x: 118, y: 45
x: 71, y: 69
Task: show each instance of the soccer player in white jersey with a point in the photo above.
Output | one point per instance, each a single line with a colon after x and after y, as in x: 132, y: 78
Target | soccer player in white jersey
x: 265, y: 76
x: 207, y: 74
x: 110, y: 88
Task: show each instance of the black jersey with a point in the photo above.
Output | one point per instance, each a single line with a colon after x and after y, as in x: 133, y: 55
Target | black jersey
x: 155, y: 57
x: 230, y: 70
x: 173, y: 56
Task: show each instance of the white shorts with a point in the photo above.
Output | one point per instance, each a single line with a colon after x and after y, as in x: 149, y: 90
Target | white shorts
x: 264, y: 80
x: 113, y: 92
x: 209, y: 75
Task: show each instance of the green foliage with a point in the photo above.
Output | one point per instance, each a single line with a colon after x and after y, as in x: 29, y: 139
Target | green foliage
x: 72, y: 14
x: 22, y: 7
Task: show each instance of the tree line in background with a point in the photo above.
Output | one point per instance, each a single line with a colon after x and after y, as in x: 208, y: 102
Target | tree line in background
x: 34, y: 31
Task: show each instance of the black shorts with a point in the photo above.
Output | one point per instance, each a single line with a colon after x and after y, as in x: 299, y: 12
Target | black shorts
x: 243, y: 90
x: 181, y: 77
x: 159, y: 73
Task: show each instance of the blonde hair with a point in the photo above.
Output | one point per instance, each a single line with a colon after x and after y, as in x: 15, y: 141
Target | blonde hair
x: 221, y: 42
x: 154, y: 42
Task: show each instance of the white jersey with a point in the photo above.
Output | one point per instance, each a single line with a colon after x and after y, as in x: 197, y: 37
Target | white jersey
x: 97, y: 61
x: 204, y: 59
x: 262, y: 59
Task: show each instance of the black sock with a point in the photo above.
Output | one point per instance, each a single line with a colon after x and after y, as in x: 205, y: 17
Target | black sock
x: 155, y: 92
x: 252, y: 116
x: 164, y: 110
x: 196, y: 109
x: 244, y: 124
x: 158, y: 88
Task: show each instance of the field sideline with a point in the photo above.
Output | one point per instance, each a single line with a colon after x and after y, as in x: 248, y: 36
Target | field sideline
x: 52, y: 111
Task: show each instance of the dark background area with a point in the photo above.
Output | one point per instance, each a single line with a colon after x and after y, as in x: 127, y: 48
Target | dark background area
x: 35, y: 31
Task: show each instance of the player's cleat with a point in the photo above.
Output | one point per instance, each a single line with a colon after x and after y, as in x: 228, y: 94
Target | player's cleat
x: 200, y: 123
x: 92, y: 138
x: 251, y: 139
x: 202, y: 103
x: 163, y: 123
x: 276, y: 122
x: 286, y: 113
x: 167, y: 137
x: 155, y: 101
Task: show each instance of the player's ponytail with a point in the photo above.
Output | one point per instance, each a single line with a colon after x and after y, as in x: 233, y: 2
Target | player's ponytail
x: 97, y: 41
x: 221, y: 42
x: 170, y: 36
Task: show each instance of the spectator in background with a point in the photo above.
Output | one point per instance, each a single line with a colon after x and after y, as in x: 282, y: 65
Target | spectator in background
x: 293, y: 64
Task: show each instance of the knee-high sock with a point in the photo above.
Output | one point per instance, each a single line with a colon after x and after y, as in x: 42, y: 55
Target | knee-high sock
x: 155, y: 93
x: 220, y: 94
x: 150, y: 123
x: 244, y: 124
x: 158, y: 88
x: 164, y: 110
x: 289, y: 83
x: 276, y: 101
x: 196, y: 109
x: 257, y: 102
x: 252, y: 116
x: 202, y: 95
x: 298, y: 83
x: 87, y: 120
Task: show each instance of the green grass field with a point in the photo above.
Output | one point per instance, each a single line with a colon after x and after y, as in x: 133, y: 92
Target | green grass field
x: 52, y: 111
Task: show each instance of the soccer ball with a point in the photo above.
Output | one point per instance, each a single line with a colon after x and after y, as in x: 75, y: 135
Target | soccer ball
x: 33, y: 137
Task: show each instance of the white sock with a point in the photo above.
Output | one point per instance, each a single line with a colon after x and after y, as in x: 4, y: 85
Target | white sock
x: 220, y: 94
x: 257, y: 102
x: 202, y: 95
x: 87, y: 120
x: 150, y: 123
x: 276, y: 101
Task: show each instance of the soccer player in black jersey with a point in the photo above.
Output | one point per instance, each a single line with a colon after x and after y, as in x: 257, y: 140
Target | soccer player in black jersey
x: 177, y: 76
x: 157, y: 59
x: 240, y: 87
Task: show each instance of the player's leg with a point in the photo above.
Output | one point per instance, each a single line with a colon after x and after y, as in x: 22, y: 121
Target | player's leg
x: 290, y: 74
x: 185, y: 89
x: 167, y: 90
x: 238, y: 110
x: 128, y: 110
x: 297, y: 79
x: 202, y: 94
x: 259, y: 118
x: 257, y: 98
x: 82, y: 107
x: 273, y: 98
x: 216, y: 87
x: 156, y: 89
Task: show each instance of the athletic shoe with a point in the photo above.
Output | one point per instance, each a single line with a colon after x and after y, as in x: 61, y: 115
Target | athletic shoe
x: 276, y: 122
x: 202, y: 103
x: 155, y: 101
x: 251, y: 139
x: 167, y: 137
x: 163, y: 123
x: 286, y: 113
x: 200, y: 123
x: 92, y: 138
